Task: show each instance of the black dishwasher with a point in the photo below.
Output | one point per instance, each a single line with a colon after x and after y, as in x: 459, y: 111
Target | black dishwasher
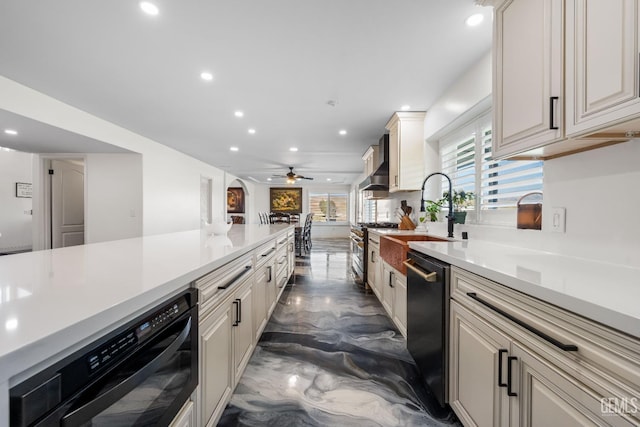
x: 427, y: 320
x: 138, y: 375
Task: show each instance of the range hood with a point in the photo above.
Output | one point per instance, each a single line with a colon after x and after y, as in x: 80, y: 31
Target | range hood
x: 379, y: 179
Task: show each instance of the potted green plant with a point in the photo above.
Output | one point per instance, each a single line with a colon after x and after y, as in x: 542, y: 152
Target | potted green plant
x: 461, y: 201
x: 432, y: 208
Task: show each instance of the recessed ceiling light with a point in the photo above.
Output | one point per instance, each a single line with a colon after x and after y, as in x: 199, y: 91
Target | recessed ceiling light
x: 238, y: 114
x: 10, y: 132
x: 293, y: 149
x: 251, y: 131
x: 234, y: 148
x: 474, y: 20
x: 207, y: 76
x: 268, y: 179
x: 149, y: 8
x: 343, y: 132
x: 328, y: 179
x: 405, y: 107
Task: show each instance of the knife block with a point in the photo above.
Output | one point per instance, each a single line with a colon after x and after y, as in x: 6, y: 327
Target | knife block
x: 406, y: 223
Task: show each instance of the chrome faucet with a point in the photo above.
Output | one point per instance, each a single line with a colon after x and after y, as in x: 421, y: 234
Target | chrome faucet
x: 450, y: 217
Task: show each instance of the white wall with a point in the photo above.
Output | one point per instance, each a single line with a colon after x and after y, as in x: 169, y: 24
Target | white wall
x: 170, y: 179
x: 114, y: 197
x: 597, y: 187
x: 15, y: 224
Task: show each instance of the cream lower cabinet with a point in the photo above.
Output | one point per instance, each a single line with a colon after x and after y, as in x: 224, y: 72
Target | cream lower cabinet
x: 516, y: 361
x: 226, y: 344
x: 476, y: 348
x: 264, y: 297
x: 386, y: 286
x: 393, y: 288
x: 374, y: 264
x: 216, y: 362
x: 186, y: 417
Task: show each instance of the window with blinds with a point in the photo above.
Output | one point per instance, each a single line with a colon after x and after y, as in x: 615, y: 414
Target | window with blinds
x: 328, y: 207
x: 496, y: 184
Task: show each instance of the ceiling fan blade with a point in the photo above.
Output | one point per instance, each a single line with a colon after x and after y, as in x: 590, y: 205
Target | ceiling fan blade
x: 278, y: 176
x: 303, y: 177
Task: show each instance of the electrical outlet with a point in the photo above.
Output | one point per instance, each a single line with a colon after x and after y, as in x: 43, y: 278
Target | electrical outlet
x: 558, y: 220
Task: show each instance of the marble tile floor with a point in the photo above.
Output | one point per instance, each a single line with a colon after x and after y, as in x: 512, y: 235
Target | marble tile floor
x: 330, y: 356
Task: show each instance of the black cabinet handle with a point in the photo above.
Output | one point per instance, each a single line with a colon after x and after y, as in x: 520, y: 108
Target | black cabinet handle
x: 268, y: 253
x: 372, y: 260
x: 548, y: 338
x: 391, y: 279
x: 553, y: 102
x: 239, y: 310
x: 509, y: 377
x: 269, y: 268
x: 236, y: 323
x: 500, y: 353
x: 236, y: 277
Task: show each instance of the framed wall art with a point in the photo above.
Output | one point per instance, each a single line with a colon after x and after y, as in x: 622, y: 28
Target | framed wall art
x: 24, y: 190
x: 286, y: 200
x: 235, y: 200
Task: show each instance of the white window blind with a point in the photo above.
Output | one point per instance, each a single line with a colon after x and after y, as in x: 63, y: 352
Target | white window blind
x: 497, y: 184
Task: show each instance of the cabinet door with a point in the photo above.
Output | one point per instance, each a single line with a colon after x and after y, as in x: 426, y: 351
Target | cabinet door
x: 528, y: 75
x: 602, y: 63
x: 186, y: 416
x: 548, y: 397
x: 216, y: 365
x: 406, y: 151
x: 272, y: 289
x: 394, y: 149
x: 386, y: 284
x: 243, y: 329
x: 400, y: 302
x: 260, y: 301
x: 477, y: 366
x: 372, y: 267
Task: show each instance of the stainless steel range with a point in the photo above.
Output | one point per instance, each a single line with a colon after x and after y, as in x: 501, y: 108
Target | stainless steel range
x: 359, y: 246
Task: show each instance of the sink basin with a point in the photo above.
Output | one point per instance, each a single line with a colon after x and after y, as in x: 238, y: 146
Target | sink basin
x: 393, y: 249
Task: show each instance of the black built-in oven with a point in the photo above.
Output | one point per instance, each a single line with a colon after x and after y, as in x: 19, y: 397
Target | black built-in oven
x: 358, y: 260
x: 141, y: 374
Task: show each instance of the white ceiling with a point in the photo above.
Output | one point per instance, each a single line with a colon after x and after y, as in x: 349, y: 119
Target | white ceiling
x: 279, y: 61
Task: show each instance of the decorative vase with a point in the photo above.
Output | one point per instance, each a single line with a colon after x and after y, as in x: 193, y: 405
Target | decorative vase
x: 459, y: 217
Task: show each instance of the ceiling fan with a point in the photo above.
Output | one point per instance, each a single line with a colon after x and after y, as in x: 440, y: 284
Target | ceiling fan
x: 291, y: 176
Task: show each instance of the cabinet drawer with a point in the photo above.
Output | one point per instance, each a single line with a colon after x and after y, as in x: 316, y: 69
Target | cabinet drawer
x: 265, y: 252
x: 219, y: 282
x: 606, y: 360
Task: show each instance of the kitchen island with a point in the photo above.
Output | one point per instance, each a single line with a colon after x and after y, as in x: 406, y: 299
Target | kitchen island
x: 54, y: 302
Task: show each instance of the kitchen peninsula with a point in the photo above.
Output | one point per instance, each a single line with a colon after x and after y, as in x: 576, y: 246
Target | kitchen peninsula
x: 54, y: 302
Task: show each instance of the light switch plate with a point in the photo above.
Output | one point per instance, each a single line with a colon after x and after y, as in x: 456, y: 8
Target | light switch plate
x: 558, y: 220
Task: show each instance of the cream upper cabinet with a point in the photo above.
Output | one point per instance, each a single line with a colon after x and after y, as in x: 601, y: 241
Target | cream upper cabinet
x: 528, y: 75
x: 370, y: 159
x: 406, y: 151
x: 602, y: 66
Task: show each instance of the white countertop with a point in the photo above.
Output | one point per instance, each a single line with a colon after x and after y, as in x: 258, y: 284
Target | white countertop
x: 606, y: 293
x: 53, y: 300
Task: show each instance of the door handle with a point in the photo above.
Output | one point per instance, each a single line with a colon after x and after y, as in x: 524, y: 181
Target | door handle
x: 236, y: 323
x: 553, y: 103
x: 500, y: 382
x: 429, y: 277
x: 509, y: 375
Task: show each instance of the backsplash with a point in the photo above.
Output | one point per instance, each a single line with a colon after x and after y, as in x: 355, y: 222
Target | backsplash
x: 598, y: 190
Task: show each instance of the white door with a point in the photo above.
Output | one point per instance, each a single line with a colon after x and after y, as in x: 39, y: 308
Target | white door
x: 67, y: 204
